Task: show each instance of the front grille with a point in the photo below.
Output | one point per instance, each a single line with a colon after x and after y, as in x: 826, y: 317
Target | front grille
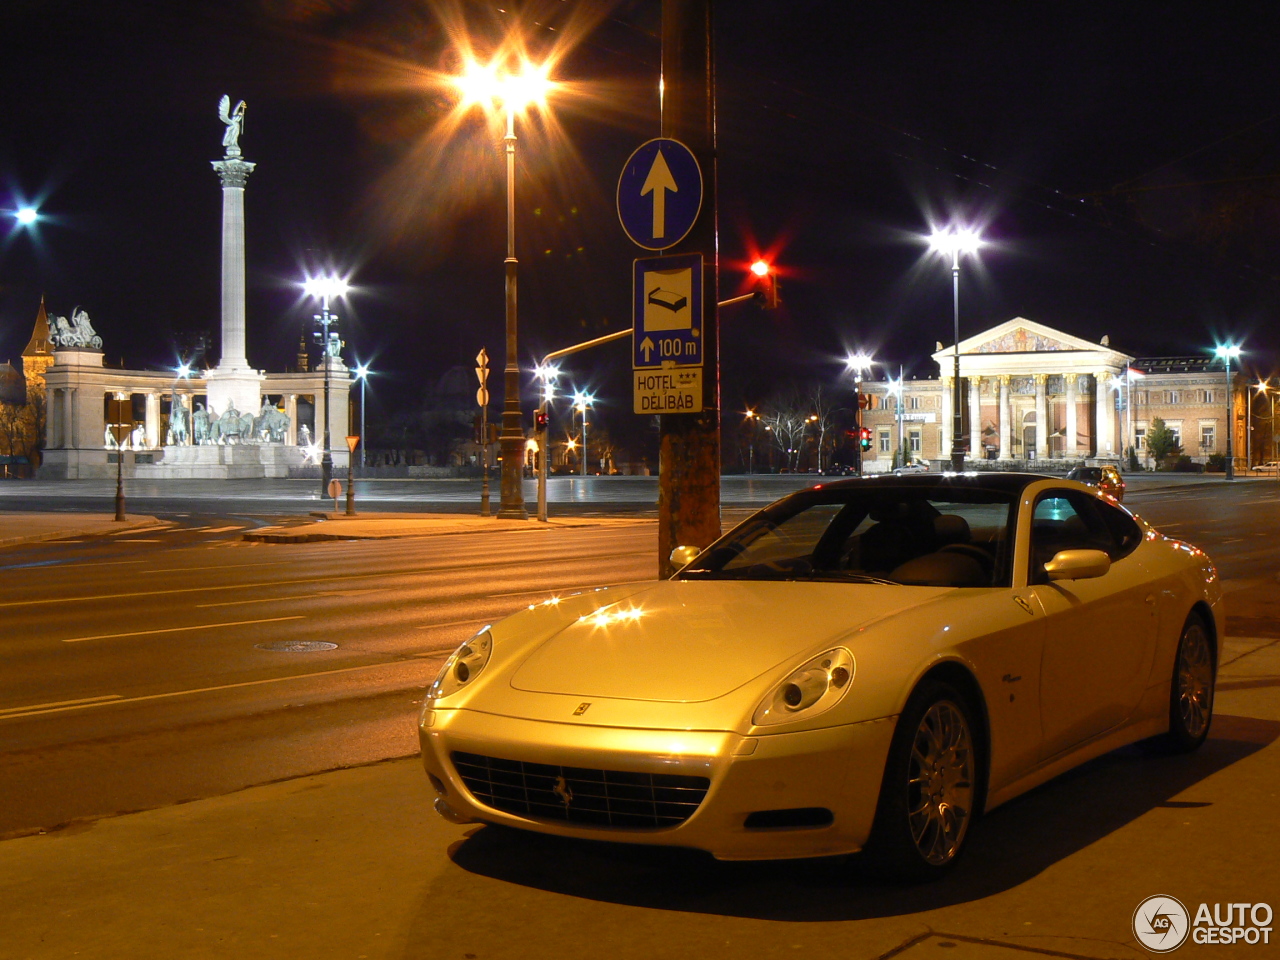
x: 607, y: 798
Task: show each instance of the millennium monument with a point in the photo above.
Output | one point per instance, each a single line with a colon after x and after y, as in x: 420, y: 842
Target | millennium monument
x: 228, y: 421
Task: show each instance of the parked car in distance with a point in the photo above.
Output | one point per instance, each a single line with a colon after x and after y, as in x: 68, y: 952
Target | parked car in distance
x: 1105, y: 478
x: 1271, y: 466
x: 916, y: 466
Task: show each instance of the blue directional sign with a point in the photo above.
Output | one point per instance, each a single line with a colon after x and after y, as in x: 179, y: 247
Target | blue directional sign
x: 667, y: 312
x: 659, y: 194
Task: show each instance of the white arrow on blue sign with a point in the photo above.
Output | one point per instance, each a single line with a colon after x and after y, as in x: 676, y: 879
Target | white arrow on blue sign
x: 659, y: 194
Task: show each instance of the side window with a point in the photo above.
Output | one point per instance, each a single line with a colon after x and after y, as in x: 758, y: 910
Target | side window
x: 1125, y: 532
x: 1067, y: 521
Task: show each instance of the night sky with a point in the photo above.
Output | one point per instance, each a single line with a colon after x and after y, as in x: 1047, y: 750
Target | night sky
x: 1121, y: 158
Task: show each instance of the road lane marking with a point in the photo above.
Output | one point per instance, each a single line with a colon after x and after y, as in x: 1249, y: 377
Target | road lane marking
x: 381, y: 575
x: 32, y: 707
x: 40, y: 709
x: 451, y: 623
x: 234, y: 603
x: 221, y: 529
x: 576, y: 590
x: 202, y: 626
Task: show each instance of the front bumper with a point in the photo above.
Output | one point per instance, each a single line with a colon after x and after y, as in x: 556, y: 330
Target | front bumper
x: 836, y: 768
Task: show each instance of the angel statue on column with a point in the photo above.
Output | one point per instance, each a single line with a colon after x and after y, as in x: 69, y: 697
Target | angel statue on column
x: 234, y: 119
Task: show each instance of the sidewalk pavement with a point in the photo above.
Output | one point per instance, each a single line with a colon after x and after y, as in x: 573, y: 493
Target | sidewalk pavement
x: 17, y: 528
x: 379, y: 526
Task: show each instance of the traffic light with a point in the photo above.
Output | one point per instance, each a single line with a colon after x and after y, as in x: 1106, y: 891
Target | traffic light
x: 540, y: 419
x: 864, y: 440
x: 768, y: 283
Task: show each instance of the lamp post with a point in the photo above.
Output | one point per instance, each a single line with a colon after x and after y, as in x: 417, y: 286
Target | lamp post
x: 513, y: 91
x: 581, y: 401
x: 1228, y: 352
x: 325, y: 289
x: 362, y: 374
x: 859, y: 364
x: 751, y: 417
x: 547, y: 374
x: 955, y: 242
x: 120, y: 399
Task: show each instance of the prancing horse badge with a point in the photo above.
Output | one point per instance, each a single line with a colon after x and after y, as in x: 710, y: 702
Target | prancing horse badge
x: 582, y: 708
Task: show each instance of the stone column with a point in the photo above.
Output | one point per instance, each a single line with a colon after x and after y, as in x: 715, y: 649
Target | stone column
x: 1042, y: 419
x: 1005, y: 418
x: 1106, y: 415
x: 291, y: 411
x: 948, y: 386
x: 233, y: 380
x: 1071, y: 448
x: 976, y: 451
x: 152, y: 420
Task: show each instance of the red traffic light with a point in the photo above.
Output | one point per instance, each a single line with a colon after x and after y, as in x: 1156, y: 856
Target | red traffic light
x: 540, y: 419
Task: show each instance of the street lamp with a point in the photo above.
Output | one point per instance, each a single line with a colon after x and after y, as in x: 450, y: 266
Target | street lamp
x: 514, y: 91
x: 116, y: 431
x: 1226, y: 353
x: 26, y: 216
x: 858, y: 364
x: 752, y: 419
x: 956, y: 242
x: 547, y: 374
x: 362, y: 374
x: 325, y: 289
x: 581, y: 401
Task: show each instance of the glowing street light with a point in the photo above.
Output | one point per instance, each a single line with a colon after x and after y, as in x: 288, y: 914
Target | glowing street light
x: 1227, y: 352
x: 325, y: 289
x: 512, y: 85
x: 362, y: 374
x: 952, y: 243
x: 26, y: 216
x: 581, y: 401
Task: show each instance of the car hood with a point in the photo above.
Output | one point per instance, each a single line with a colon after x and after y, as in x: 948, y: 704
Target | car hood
x: 687, y: 641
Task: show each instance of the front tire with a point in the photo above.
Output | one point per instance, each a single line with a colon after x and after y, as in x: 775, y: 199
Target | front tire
x: 1191, y: 688
x: 929, y: 792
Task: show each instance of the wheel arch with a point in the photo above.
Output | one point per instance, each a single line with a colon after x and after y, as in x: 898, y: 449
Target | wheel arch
x: 957, y: 675
x: 1205, y: 612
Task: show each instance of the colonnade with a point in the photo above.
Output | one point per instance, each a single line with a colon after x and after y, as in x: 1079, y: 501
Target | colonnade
x: 1101, y: 441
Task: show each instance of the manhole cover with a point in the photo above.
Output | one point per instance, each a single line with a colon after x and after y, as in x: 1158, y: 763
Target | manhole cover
x: 296, y: 646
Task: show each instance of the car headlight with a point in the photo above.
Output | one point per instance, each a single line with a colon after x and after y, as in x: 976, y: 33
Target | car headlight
x: 463, y: 666
x: 810, y: 689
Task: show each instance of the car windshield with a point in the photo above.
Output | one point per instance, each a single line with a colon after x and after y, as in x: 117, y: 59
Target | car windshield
x: 940, y: 536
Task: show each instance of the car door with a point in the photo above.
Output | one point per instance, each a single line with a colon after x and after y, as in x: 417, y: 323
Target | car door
x: 1098, y: 632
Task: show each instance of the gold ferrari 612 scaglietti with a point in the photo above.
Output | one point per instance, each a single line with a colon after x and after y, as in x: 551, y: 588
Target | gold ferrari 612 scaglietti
x: 864, y: 665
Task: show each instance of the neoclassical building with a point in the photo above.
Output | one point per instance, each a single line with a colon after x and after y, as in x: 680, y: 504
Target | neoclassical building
x: 1030, y: 393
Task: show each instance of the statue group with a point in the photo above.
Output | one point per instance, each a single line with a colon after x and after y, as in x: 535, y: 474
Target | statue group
x: 76, y: 332
x: 269, y: 426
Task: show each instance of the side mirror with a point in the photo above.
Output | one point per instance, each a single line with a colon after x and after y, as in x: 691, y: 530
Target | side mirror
x: 1077, y: 565
x: 683, y: 556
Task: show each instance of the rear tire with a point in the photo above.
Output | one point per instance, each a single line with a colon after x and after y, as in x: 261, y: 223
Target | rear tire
x: 1191, y: 688
x: 929, y: 793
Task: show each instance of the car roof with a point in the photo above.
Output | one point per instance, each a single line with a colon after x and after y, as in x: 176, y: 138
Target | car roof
x: 1008, y: 483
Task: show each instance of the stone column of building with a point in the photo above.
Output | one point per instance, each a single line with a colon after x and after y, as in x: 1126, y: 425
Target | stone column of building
x: 1105, y: 415
x: 291, y: 411
x: 948, y: 386
x: 233, y: 380
x: 72, y: 436
x: 1006, y: 419
x: 976, y: 452
x: 152, y: 421
x: 1072, y: 447
x: 1042, y: 418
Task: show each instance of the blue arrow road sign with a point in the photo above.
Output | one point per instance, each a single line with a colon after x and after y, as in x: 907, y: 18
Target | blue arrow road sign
x: 667, y: 314
x: 659, y: 194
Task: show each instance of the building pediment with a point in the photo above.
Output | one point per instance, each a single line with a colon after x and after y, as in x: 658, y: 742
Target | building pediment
x: 1011, y: 346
